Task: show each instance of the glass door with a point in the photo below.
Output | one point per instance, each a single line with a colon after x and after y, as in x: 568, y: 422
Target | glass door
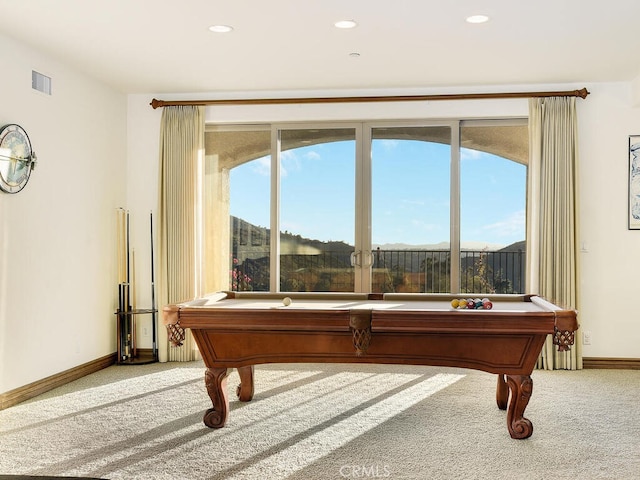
x: 411, y: 208
x: 316, y: 219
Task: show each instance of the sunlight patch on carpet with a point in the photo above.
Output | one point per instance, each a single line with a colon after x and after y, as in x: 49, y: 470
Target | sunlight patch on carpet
x: 124, y: 430
x: 300, y: 424
x: 74, y: 402
x: 322, y: 443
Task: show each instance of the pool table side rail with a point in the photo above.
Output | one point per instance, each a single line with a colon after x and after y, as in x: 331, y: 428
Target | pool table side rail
x: 408, y: 321
x: 195, y: 314
x: 502, y: 297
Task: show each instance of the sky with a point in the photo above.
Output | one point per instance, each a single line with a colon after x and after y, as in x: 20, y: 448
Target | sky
x: 410, y: 194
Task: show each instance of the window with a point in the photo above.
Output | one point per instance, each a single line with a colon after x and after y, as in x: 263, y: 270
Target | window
x: 317, y: 209
x: 493, y: 177
x: 236, y: 201
x: 376, y: 207
x: 410, y: 215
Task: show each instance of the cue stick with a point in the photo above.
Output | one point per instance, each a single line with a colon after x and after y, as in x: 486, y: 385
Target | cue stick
x: 153, y: 297
x: 127, y: 289
x: 118, y: 245
x: 123, y: 280
x: 132, y: 317
x: 121, y: 245
x: 121, y: 270
x: 118, y: 322
x: 128, y: 262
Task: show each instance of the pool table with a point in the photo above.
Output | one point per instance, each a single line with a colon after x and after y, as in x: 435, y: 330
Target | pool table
x: 243, y: 329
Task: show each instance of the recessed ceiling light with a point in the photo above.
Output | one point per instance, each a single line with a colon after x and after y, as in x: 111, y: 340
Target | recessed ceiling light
x: 477, y: 19
x: 345, y: 24
x: 220, y: 28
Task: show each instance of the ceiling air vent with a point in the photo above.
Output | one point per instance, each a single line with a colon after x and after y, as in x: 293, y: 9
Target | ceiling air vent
x: 40, y: 82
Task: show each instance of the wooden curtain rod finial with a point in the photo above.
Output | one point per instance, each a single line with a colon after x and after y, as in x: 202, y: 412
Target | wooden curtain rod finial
x: 582, y: 93
x: 155, y: 103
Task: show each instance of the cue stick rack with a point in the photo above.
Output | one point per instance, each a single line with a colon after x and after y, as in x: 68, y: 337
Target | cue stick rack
x: 127, y: 313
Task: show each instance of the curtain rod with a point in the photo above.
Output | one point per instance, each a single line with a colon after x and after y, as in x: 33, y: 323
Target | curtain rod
x: 582, y: 93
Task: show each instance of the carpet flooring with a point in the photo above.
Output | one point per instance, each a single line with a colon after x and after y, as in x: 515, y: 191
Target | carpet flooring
x: 312, y: 421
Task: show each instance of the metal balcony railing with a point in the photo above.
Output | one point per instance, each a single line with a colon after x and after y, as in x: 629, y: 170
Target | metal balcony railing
x: 408, y: 271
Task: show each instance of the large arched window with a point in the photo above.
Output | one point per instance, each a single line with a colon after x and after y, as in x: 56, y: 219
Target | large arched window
x: 368, y: 206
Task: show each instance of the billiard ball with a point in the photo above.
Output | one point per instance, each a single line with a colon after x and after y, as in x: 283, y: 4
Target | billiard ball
x: 286, y: 301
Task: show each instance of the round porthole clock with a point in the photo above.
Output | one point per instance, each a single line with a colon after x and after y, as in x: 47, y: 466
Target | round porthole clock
x: 17, y: 159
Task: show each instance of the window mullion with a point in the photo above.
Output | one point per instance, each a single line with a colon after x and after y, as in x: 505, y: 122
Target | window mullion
x: 455, y: 209
x: 274, y: 259
x: 363, y: 209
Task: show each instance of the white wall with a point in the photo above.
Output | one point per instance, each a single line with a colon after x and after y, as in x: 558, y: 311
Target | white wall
x: 57, y: 236
x: 142, y: 190
x: 606, y: 118
x: 609, y: 281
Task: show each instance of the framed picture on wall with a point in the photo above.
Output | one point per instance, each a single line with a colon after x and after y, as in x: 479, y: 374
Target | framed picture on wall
x: 634, y: 182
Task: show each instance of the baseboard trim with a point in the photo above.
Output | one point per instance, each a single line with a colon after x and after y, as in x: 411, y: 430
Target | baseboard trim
x: 20, y: 394
x: 611, y: 363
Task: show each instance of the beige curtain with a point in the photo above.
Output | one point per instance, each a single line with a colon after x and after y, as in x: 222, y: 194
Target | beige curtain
x: 553, y: 214
x: 181, y: 154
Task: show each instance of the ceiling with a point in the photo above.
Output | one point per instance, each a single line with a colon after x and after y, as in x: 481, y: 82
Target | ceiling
x: 164, y: 46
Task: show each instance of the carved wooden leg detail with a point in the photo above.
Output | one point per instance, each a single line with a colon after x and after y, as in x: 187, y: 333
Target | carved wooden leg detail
x: 216, y: 381
x: 245, y: 389
x: 521, y: 387
x: 502, y: 392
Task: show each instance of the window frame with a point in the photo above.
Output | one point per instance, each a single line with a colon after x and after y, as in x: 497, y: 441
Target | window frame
x: 363, y: 200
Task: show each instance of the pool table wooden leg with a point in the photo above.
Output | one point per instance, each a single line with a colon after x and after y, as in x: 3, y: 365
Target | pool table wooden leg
x: 245, y: 389
x: 216, y: 381
x: 502, y: 392
x: 521, y: 387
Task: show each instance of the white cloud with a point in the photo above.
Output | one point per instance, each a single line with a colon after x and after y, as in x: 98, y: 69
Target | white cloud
x: 262, y: 166
x: 413, y: 202
x: 424, y: 226
x: 512, y: 225
x: 468, y: 154
x: 312, y: 155
x: 389, y: 144
x: 289, y: 161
